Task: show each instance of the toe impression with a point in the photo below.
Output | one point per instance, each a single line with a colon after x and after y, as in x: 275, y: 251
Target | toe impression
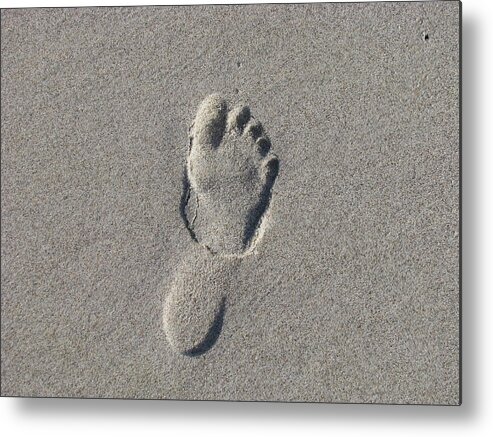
x: 238, y: 118
x: 208, y: 127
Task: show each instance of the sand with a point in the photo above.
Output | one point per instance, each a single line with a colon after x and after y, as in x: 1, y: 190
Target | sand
x: 255, y: 202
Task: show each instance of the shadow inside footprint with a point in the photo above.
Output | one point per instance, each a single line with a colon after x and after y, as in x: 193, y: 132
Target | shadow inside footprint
x: 212, y: 335
x: 185, y: 204
x: 256, y: 213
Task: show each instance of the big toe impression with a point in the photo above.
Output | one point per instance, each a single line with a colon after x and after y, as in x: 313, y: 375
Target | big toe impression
x: 210, y: 122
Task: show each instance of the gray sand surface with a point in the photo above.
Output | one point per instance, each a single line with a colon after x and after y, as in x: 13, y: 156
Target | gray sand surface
x: 350, y: 293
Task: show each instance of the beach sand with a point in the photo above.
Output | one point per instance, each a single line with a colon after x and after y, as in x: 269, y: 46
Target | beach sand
x: 132, y: 263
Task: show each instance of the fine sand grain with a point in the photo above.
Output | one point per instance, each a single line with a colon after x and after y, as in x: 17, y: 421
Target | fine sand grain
x: 231, y: 202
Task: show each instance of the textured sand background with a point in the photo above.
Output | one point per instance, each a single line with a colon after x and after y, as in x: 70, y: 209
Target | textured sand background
x: 353, y: 294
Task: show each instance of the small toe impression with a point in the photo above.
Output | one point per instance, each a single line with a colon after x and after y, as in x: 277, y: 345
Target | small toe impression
x: 254, y: 130
x: 209, y: 124
x: 271, y: 169
x: 238, y: 118
x: 263, y: 146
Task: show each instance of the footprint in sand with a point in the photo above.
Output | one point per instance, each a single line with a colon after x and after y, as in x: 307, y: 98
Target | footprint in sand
x: 228, y: 180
